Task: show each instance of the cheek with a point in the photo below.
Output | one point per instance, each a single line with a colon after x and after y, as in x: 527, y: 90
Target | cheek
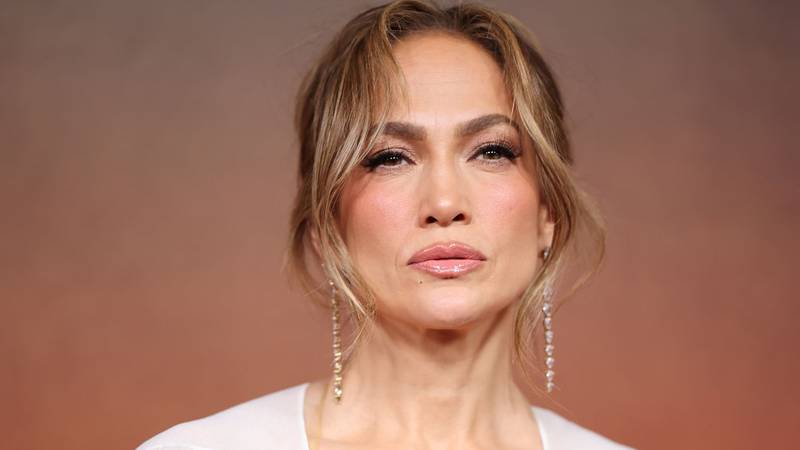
x: 376, y: 224
x: 509, y: 213
x: 510, y: 209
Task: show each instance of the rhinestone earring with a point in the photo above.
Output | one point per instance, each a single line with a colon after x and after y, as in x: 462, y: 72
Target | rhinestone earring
x: 547, y: 308
x: 337, y: 346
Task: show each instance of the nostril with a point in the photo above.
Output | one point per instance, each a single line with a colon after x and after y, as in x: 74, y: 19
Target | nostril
x: 460, y: 217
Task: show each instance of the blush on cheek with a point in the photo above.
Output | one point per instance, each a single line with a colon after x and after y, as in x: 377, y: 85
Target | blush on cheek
x: 378, y: 221
x: 508, y: 211
x: 510, y: 203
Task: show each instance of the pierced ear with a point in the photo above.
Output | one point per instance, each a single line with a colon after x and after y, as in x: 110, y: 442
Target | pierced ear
x: 314, y: 237
x: 546, y: 226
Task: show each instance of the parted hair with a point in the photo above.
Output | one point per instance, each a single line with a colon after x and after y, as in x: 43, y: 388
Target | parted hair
x: 342, y: 104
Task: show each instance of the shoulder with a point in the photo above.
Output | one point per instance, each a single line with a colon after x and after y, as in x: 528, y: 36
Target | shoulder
x: 272, y: 421
x: 559, y: 433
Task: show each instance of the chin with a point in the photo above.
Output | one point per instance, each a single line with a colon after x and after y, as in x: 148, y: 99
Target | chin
x: 442, y: 310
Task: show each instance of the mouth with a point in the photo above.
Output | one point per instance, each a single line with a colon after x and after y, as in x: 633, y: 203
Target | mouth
x: 447, y: 260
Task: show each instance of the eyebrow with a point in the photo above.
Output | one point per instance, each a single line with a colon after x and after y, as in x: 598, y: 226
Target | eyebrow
x: 410, y: 131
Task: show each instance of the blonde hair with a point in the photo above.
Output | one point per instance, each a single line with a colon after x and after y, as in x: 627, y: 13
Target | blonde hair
x: 341, y: 107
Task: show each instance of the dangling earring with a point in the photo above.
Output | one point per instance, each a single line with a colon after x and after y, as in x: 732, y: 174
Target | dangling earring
x: 547, y: 308
x: 337, y: 346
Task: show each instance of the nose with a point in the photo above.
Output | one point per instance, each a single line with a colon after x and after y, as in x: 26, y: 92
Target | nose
x: 445, y: 198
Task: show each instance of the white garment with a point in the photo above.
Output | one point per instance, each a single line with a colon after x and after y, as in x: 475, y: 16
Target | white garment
x: 275, y: 422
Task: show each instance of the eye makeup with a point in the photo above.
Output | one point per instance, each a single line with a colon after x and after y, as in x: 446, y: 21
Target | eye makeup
x: 494, y: 152
x: 389, y: 157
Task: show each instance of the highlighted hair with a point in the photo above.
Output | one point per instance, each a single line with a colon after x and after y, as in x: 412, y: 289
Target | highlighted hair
x: 342, y: 104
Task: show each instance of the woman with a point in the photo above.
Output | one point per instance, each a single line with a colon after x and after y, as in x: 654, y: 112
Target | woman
x: 436, y: 199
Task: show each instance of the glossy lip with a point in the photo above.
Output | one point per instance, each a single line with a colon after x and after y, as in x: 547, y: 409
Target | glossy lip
x: 447, y: 260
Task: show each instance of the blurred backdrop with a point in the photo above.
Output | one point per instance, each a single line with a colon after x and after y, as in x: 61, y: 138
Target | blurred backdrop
x: 147, y: 165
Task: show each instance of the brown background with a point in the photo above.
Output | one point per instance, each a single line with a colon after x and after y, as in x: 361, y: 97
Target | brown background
x: 146, y: 174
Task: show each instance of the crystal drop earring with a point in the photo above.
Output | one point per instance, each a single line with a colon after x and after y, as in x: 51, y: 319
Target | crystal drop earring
x: 337, y: 345
x: 547, y: 309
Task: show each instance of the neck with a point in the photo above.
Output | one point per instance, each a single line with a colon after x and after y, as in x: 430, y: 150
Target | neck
x: 435, y: 388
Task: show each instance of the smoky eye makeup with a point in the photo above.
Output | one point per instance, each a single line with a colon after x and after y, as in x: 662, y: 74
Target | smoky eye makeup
x: 496, y: 151
x: 491, y: 151
x: 388, y: 157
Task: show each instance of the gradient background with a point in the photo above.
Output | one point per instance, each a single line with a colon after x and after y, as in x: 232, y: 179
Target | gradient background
x: 147, y: 167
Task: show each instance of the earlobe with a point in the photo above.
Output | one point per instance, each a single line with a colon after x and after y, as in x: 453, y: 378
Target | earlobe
x: 313, y: 236
x: 546, y: 227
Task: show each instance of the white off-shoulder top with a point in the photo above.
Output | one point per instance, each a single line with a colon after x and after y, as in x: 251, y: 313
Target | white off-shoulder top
x: 275, y: 422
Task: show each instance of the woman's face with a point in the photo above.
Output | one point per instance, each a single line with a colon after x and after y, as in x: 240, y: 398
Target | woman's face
x: 452, y: 174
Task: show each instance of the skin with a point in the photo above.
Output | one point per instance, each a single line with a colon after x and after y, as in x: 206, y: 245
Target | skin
x: 436, y: 372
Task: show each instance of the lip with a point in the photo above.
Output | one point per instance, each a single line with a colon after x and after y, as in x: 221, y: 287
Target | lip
x: 447, y: 260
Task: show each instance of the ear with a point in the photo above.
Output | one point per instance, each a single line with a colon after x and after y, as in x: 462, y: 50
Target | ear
x: 546, y: 226
x: 314, y: 237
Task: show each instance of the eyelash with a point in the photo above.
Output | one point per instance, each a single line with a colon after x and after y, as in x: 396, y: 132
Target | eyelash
x: 379, y: 159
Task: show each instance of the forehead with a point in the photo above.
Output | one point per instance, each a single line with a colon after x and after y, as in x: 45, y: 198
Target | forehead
x: 447, y: 79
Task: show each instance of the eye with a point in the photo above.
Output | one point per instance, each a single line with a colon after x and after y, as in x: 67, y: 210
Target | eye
x: 386, y: 158
x: 496, y: 151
